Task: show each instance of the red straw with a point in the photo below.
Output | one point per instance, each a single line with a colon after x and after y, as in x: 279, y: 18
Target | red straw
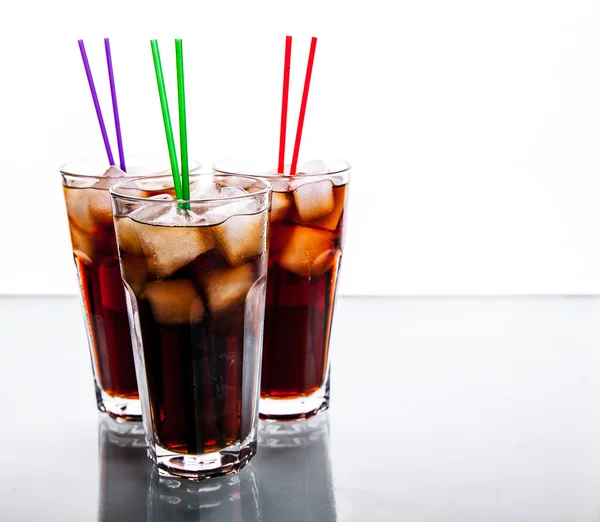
x: 311, y: 59
x: 284, y: 102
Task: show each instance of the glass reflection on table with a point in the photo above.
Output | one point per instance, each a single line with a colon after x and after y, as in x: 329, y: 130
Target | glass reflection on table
x: 293, y: 471
x: 288, y: 480
x: 124, y: 469
x: 232, y: 498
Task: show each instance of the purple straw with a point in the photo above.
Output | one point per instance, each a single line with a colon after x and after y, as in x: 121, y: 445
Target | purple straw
x: 113, y: 93
x: 88, y: 72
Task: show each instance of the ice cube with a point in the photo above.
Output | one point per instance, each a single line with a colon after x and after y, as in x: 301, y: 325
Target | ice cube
x: 229, y: 191
x: 100, y: 207
x: 227, y: 208
x: 313, y: 200
x: 127, y: 237
x: 78, y: 207
x: 152, y: 213
x: 205, y: 190
x: 308, y: 251
x: 88, y: 208
x: 226, y: 288
x: 83, y: 244
x: 135, y: 272
x: 331, y: 220
x: 313, y: 167
x: 168, y: 248
x: 280, y: 205
x: 114, y: 172
x: 241, y: 237
x: 111, y: 176
x: 175, y: 302
x: 155, y: 186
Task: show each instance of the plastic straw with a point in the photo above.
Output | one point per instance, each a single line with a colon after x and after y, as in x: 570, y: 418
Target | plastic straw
x: 88, y: 72
x: 284, y: 102
x: 185, y: 173
x: 309, y: 66
x: 113, y: 94
x: 164, y: 104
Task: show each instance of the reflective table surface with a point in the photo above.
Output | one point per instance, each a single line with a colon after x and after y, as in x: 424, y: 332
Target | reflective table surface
x: 442, y: 410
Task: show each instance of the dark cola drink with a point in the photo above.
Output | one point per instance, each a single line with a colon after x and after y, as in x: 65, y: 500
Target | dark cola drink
x: 86, y: 187
x: 303, y: 272
x: 196, y: 278
x: 305, y: 251
x: 97, y: 261
x: 308, y: 222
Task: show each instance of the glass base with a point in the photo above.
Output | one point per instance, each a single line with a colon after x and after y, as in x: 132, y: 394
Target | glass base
x: 299, y: 408
x: 119, y: 408
x: 200, y: 467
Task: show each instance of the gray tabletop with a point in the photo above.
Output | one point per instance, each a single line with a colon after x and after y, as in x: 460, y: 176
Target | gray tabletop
x: 443, y: 409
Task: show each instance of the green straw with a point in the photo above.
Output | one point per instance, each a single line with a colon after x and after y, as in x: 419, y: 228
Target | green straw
x: 185, y: 173
x: 162, y: 93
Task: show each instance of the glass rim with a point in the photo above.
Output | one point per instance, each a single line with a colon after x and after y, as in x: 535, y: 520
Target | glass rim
x: 66, y: 169
x: 346, y: 167
x: 114, y: 188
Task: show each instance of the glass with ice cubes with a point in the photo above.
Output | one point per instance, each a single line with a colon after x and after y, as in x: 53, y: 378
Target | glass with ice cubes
x: 85, y: 186
x: 195, y: 277
x: 305, y: 251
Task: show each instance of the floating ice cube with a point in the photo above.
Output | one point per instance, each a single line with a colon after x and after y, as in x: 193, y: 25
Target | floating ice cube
x: 331, y: 220
x: 280, y: 205
x: 100, y: 207
x: 241, y: 237
x: 114, y: 172
x: 88, y: 208
x: 308, y: 251
x: 229, y: 191
x: 153, y: 186
x: 83, y: 243
x: 111, y: 176
x: 168, y: 248
x: 207, y: 189
x: 153, y: 213
x: 222, y: 211
x: 313, y: 200
x: 78, y: 207
x: 127, y: 237
x: 204, y: 189
x: 172, y: 215
x: 226, y: 288
x: 175, y: 302
x: 313, y: 167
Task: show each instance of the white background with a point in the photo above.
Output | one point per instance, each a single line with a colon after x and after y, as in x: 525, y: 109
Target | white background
x: 473, y: 127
